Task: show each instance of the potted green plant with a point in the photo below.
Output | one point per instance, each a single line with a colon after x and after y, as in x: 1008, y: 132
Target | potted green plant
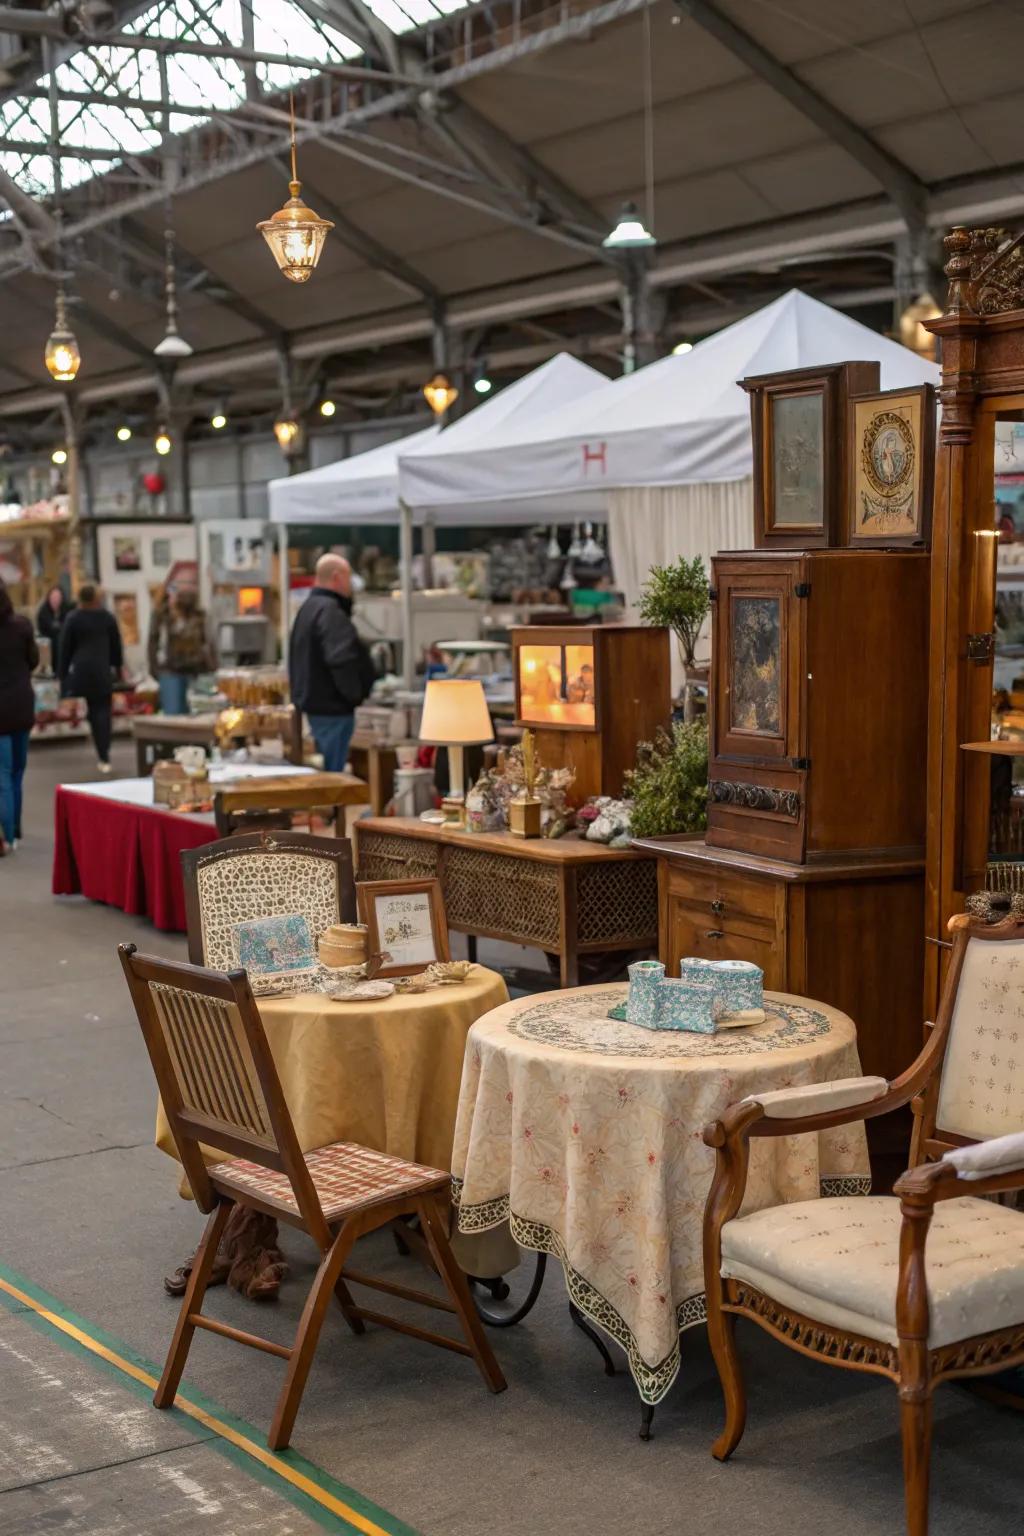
x: 678, y: 597
x: 669, y: 785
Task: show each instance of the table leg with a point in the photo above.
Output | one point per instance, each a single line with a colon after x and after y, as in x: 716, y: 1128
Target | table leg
x: 594, y: 1337
x: 646, y: 1420
x: 568, y: 925
x: 248, y: 1258
x: 141, y: 760
x: 471, y: 947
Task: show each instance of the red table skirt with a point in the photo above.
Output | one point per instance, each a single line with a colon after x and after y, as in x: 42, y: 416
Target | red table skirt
x: 124, y: 855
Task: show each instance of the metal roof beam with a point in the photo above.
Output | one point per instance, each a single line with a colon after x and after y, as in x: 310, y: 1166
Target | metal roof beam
x: 907, y: 192
x: 115, y: 99
x: 193, y: 272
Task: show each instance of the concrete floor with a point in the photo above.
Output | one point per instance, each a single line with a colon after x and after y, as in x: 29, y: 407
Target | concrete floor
x: 89, y: 1212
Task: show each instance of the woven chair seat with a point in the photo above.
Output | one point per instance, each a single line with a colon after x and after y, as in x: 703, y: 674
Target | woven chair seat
x: 347, y: 1178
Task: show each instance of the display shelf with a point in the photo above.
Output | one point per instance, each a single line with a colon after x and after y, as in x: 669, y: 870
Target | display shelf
x: 995, y: 748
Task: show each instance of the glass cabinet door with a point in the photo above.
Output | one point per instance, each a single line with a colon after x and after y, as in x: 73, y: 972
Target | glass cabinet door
x: 756, y: 657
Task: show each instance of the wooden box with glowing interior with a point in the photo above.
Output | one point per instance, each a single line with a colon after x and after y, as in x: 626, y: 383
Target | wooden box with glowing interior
x: 590, y: 692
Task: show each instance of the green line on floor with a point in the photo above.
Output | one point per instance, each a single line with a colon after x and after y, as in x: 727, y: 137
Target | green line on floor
x: 332, y: 1504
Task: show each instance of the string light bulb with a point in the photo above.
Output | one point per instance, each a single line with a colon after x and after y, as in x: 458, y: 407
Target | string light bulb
x: 62, y: 356
x: 59, y: 456
x: 124, y: 434
x: 327, y: 407
x: 218, y: 421
x: 162, y: 442
x: 289, y: 434
x: 440, y: 393
x: 295, y: 234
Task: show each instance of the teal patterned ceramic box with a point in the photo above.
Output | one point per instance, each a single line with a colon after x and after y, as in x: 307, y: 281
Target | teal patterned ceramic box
x: 657, y: 1001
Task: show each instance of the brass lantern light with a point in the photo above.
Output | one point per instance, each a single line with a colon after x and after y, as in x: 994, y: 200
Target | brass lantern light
x: 62, y: 357
x: 295, y: 233
x: 440, y: 393
x: 290, y: 435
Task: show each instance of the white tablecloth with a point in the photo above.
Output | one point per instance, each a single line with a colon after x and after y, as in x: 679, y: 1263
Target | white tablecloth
x: 140, y: 791
x: 585, y: 1135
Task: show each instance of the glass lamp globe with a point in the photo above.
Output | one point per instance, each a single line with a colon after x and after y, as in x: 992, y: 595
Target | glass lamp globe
x: 62, y: 357
x: 295, y: 235
x: 162, y: 444
x: 59, y: 456
x: 440, y: 394
x: 289, y: 435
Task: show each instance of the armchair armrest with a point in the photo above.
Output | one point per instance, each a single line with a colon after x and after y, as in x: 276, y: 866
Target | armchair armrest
x: 1003, y: 1154
x: 819, y: 1098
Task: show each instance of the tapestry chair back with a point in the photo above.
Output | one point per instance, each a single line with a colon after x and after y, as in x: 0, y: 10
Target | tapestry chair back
x: 980, y: 1092
x: 263, y: 875
x: 215, y: 1072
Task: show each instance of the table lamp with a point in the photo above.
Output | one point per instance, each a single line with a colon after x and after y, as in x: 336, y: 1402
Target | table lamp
x: 455, y: 715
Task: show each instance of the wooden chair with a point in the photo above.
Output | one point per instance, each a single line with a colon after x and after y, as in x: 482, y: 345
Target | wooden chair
x: 923, y: 1286
x: 263, y: 874
x: 220, y: 1088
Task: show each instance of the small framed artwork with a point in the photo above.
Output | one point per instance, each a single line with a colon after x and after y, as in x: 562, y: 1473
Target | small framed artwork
x: 273, y: 948
x: 798, y: 423
x: 405, y: 922
x: 891, y: 467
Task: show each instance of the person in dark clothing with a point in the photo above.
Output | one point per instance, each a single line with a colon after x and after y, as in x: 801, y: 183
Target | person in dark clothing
x: 18, y: 655
x: 329, y: 667
x: 50, y: 616
x: 91, y: 657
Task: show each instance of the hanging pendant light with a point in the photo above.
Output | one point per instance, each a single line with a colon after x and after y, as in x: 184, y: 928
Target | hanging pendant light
x: 173, y: 344
x: 440, y: 393
x: 295, y: 233
x: 554, y: 550
x: 290, y: 436
x: 629, y: 233
x: 62, y: 356
x: 162, y: 442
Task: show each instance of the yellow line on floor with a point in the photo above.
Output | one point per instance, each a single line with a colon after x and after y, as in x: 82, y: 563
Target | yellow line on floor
x: 259, y: 1453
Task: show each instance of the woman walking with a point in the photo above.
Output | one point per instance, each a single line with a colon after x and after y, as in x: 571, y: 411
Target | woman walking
x: 50, y: 616
x: 18, y: 655
x: 91, y: 657
x: 179, y: 647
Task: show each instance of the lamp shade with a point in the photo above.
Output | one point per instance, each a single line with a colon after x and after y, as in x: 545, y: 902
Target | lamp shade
x: 455, y: 713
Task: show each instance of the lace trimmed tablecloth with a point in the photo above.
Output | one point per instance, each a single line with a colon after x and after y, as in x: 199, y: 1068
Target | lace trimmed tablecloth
x: 585, y: 1135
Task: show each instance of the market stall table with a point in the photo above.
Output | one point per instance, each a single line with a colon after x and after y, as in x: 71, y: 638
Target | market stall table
x: 156, y: 736
x: 112, y: 844
x: 584, y: 1134
x: 384, y: 1073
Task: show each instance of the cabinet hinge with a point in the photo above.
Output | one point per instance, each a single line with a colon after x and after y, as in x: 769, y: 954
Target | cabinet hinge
x: 802, y: 589
x: 800, y: 762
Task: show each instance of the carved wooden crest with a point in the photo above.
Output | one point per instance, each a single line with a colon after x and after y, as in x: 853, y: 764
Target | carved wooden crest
x: 985, y: 268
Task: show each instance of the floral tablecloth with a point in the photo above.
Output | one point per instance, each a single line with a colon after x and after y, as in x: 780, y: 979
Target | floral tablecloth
x: 584, y: 1134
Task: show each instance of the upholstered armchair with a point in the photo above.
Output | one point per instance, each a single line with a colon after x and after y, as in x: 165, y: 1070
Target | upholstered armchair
x: 922, y: 1286
x: 263, y: 874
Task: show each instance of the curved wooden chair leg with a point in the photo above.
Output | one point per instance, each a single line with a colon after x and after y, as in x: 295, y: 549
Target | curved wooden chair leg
x: 308, y: 1333
x: 191, y: 1303
x: 347, y: 1303
x: 722, y: 1336
x: 435, y: 1228
x: 916, y: 1428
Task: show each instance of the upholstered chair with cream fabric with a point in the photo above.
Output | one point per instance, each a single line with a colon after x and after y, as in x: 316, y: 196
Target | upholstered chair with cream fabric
x: 263, y: 874
x: 921, y: 1286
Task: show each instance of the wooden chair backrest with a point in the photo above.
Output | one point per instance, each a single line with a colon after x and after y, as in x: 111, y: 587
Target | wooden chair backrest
x: 263, y: 874
x: 216, y: 1074
x: 975, y: 1090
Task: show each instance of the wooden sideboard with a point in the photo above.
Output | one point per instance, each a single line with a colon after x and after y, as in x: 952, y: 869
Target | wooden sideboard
x: 565, y: 896
x: 846, y: 930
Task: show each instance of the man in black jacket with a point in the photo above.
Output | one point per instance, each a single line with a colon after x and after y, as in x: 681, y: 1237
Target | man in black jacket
x: 328, y: 665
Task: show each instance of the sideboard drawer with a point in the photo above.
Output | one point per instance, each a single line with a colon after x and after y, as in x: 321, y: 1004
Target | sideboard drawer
x: 692, y: 930
x: 723, y: 893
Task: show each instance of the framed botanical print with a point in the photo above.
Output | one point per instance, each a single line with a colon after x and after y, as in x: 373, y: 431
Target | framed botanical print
x: 891, y: 466
x: 406, y: 923
x: 798, y: 421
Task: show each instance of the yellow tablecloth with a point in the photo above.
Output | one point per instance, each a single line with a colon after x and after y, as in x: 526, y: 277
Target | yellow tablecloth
x: 584, y: 1135
x: 385, y: 1074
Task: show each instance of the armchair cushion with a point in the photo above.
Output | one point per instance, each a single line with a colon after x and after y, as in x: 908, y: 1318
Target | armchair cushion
x: 1003, y: 1154
x: 818, y: 1098
x: 837, y: 1262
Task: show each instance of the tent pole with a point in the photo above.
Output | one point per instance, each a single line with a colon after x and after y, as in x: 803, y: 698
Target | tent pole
x: 284, y: 589
x: 405, y: 573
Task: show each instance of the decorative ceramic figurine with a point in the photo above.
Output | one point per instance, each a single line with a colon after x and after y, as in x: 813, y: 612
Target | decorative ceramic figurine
x: 738, y: 984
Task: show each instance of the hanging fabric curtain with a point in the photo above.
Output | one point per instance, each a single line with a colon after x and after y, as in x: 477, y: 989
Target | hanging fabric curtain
x: 660, y: 524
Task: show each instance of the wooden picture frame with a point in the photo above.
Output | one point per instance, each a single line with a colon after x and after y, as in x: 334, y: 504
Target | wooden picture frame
x: 413, y: 952
x: 798, y: 422
x: 890, y: 468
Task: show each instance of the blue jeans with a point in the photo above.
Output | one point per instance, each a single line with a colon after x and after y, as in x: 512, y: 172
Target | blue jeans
x: 332, y: 734
x: 174, y: 693
x: 13, y: 757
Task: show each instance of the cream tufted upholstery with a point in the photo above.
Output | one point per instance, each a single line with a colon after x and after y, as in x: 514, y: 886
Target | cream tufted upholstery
x: 837, y: 1261
x: 981, y: 1093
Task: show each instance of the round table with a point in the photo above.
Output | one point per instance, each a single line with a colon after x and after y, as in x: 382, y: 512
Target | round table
x: 584, y: 1134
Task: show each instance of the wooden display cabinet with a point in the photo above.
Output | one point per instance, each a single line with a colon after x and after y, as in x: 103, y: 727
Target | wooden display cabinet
x: 798, y: 419
x: 591, y: 693
x: 818, y: 702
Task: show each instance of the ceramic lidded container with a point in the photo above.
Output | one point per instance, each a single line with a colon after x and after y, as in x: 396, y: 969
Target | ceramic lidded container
x: 343, y: 944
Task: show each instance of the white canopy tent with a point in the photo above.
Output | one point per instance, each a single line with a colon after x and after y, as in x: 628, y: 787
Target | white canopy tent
x: 664, y: 454
x: 366, y: 488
